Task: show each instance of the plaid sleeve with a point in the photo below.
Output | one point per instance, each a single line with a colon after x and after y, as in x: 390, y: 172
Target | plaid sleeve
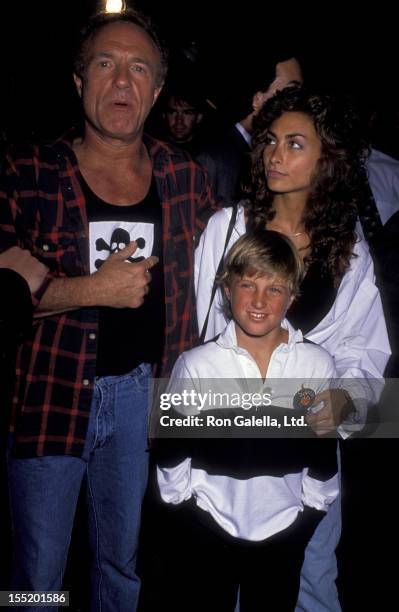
x: 11, y: 213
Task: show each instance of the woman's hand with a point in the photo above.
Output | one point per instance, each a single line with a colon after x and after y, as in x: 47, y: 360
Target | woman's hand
x: 337, y: 406
x: 27, y: 266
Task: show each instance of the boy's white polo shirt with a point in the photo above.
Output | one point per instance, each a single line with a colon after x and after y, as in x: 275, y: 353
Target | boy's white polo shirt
x: 251, y: 508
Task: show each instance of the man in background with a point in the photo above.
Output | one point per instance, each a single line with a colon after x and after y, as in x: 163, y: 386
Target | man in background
x: 182, y: 115
x: 113, y: 215
x: 226, y: 157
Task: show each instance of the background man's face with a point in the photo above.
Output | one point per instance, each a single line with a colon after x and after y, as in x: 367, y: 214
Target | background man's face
x: 181, y: 119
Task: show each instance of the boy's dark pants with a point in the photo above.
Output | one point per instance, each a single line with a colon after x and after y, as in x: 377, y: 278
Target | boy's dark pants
x: 206, y: 565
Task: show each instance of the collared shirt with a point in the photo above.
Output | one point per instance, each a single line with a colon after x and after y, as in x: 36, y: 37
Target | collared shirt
x: 293, y: 365
x: 353, y: 331
x: 383, y: 173
x: 255, y: 487
x: 43, y: 210
x: 246, y: 135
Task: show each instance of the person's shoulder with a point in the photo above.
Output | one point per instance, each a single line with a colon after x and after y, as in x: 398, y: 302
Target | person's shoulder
x: 200, y: 355
x: 207, y: 349
x: 304, y: 349
x: 216, y: 229
x: 222, y: 144
x: 360, y: 270
x: 21, y: 154
x: 314, y: 354
x: 24, y: 159
x: 41, y: 151
x: 172, y: 164
x: 221, y: 218
x: 167, y: 153
x: 380, y: 158
x: 312, y: 348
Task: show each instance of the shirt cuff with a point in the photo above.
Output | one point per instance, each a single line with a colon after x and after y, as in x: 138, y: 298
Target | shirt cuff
x: 38, y: 294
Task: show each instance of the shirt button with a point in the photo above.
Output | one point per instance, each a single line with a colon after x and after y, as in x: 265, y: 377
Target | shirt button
x: 92, y: 336
x: 86, y: 382
x: 46, y: 247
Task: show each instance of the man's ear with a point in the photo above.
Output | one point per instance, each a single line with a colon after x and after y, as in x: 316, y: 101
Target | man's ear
x: 78, y: 84
x: 227, y: 292
x: 199, y: 118
x: 260, y: 98
x: 256, y: 101
x: 157, y: 91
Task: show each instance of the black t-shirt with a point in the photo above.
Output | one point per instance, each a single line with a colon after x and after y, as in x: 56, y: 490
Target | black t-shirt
x: 128, y: 336
x: 317, y: 296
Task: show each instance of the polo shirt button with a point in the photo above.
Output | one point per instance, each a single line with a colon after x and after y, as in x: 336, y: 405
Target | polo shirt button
x: 86, y: 382
x: 46, y: 247
x: 92, y: 336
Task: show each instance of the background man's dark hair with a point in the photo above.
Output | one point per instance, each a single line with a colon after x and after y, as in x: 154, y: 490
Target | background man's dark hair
x: 186, y: 92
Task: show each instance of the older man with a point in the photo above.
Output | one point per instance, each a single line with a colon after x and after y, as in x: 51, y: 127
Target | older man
x: 100, y: 210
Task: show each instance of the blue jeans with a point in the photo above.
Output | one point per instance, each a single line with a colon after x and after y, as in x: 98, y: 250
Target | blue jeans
x: 318, y: 591
x: 44, y: 493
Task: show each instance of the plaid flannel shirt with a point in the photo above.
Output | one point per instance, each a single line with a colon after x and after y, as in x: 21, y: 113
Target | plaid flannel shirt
x: 42, y: 208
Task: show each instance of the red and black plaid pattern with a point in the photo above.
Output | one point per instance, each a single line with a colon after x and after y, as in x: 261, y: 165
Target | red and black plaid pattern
x: 42, y: 208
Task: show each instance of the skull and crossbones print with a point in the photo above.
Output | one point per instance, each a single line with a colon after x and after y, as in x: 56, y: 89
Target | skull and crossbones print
x: 109, y: 237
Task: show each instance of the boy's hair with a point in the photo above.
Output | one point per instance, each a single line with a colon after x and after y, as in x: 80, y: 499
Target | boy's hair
x: 264, y: 252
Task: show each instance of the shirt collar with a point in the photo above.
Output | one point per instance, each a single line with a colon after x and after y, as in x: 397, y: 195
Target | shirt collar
x: 228, y: 337
x: 246, y: 135
x: 64, y: 145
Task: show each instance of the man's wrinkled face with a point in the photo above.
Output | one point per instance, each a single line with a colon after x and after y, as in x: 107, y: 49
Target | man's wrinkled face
x: 119, y: 85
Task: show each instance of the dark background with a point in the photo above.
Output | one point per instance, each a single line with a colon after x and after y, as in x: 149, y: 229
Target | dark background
x: 346, y: 53
x: 349, y: 53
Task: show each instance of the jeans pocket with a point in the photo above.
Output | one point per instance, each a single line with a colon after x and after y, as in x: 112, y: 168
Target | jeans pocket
x: 141, y: 376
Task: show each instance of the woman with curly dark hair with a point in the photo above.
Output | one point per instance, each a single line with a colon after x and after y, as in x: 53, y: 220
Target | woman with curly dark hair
x: 326, y: 209
x: 307, y: 181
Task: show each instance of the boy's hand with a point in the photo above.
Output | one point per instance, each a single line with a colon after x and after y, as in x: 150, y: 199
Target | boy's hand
x: 337, y: 406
